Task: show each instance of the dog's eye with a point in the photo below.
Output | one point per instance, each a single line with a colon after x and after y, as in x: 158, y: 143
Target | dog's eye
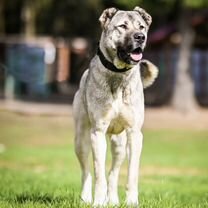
x: 123, y: 26
x: 141, y: 27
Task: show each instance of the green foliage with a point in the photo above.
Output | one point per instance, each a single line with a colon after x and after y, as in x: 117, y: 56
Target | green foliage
x: 195, y: 4
x: 129, y: 4
x: 69, y: 18
x: 80, y: 17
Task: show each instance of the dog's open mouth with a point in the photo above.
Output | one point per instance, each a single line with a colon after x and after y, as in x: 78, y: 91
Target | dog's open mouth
x: 136, y: 54
x: 132, y: 56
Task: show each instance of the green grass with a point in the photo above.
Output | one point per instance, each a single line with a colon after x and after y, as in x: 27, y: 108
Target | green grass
x: 38, y: 167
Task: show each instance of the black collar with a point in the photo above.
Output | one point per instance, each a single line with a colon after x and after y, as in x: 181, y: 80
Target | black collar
x: 107, y: 64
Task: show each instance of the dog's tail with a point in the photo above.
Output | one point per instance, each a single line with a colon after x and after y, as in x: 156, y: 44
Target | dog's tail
x: 149, y: 73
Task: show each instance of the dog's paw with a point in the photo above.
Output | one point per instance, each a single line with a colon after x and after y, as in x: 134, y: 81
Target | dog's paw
x: 132, y: 203
x: 101, y: 198
x: 149, y: 72
x: 86, y: 198
x: 113, y: 200
x: 132, y: 199
x: 100, y: 202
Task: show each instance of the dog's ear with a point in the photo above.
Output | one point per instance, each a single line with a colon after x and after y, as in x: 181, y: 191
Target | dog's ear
x: 106, y: 16
x: 149, y: 72
x: 147, y: 18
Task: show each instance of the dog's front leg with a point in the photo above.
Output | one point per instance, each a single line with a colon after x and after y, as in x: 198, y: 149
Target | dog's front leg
x: 135, y: 138
x: 98, y: 140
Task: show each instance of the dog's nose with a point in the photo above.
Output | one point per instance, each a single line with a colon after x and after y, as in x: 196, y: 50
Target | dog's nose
x: 140, y: 37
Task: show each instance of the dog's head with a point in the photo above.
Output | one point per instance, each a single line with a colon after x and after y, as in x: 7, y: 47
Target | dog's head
x: 124, y: 34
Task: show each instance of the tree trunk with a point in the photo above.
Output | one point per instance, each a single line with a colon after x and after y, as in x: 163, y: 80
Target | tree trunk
x: 28, y: 18
x: 2, y: 19
x: 183, y: 97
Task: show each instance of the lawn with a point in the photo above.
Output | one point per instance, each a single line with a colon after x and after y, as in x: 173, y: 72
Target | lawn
x: 38, y: 167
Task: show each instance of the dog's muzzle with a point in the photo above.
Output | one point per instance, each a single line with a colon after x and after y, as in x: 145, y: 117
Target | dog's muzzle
x: 132, y: 56
x: 132, y: 53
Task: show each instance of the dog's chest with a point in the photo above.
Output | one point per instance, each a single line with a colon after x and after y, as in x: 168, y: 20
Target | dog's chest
x: 119, y: 89
x: 121, y: 111
x: 122, y: 103
x: 117, y: 99
x: 121, y: 121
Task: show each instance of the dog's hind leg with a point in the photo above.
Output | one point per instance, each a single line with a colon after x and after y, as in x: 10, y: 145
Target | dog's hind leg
x: 118, y: 150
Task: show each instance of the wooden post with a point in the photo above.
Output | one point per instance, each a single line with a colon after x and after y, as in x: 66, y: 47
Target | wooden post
x: 63, y: 62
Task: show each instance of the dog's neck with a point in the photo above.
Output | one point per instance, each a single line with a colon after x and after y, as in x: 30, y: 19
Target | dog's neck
x: 109, y: 65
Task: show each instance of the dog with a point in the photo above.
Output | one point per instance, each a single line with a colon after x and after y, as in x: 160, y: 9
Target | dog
x: 110, y: 102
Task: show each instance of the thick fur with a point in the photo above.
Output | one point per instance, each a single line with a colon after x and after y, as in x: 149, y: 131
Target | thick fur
x: 149, y: 73
x: 110, y: 103
x: 147, y: 18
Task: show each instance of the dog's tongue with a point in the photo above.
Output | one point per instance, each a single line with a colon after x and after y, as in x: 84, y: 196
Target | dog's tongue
x: 136, y: 56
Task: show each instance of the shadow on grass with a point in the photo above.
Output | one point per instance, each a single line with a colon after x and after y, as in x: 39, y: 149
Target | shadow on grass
x: 45, y: 199
x: 49, y: 200
x: 72, y: 201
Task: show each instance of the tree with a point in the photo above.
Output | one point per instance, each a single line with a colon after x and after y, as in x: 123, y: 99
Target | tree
x: 2, y: 19
x: 30, y: 10
x: 184, y: 96
x: 28, y: 18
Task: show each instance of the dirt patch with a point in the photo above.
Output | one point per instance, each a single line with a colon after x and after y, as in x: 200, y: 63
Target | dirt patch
x: 168, y: 118
x: 161, y: 117
x: 171, y: 171
x: 12, y: 165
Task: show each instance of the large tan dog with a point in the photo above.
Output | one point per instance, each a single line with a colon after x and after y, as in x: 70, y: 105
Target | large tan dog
x: 110, y: 102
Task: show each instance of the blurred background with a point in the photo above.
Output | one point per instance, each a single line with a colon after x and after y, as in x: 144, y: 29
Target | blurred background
x: 46, y: 45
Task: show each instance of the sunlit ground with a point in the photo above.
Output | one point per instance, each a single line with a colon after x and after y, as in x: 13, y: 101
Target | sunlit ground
x: 38, y: 167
